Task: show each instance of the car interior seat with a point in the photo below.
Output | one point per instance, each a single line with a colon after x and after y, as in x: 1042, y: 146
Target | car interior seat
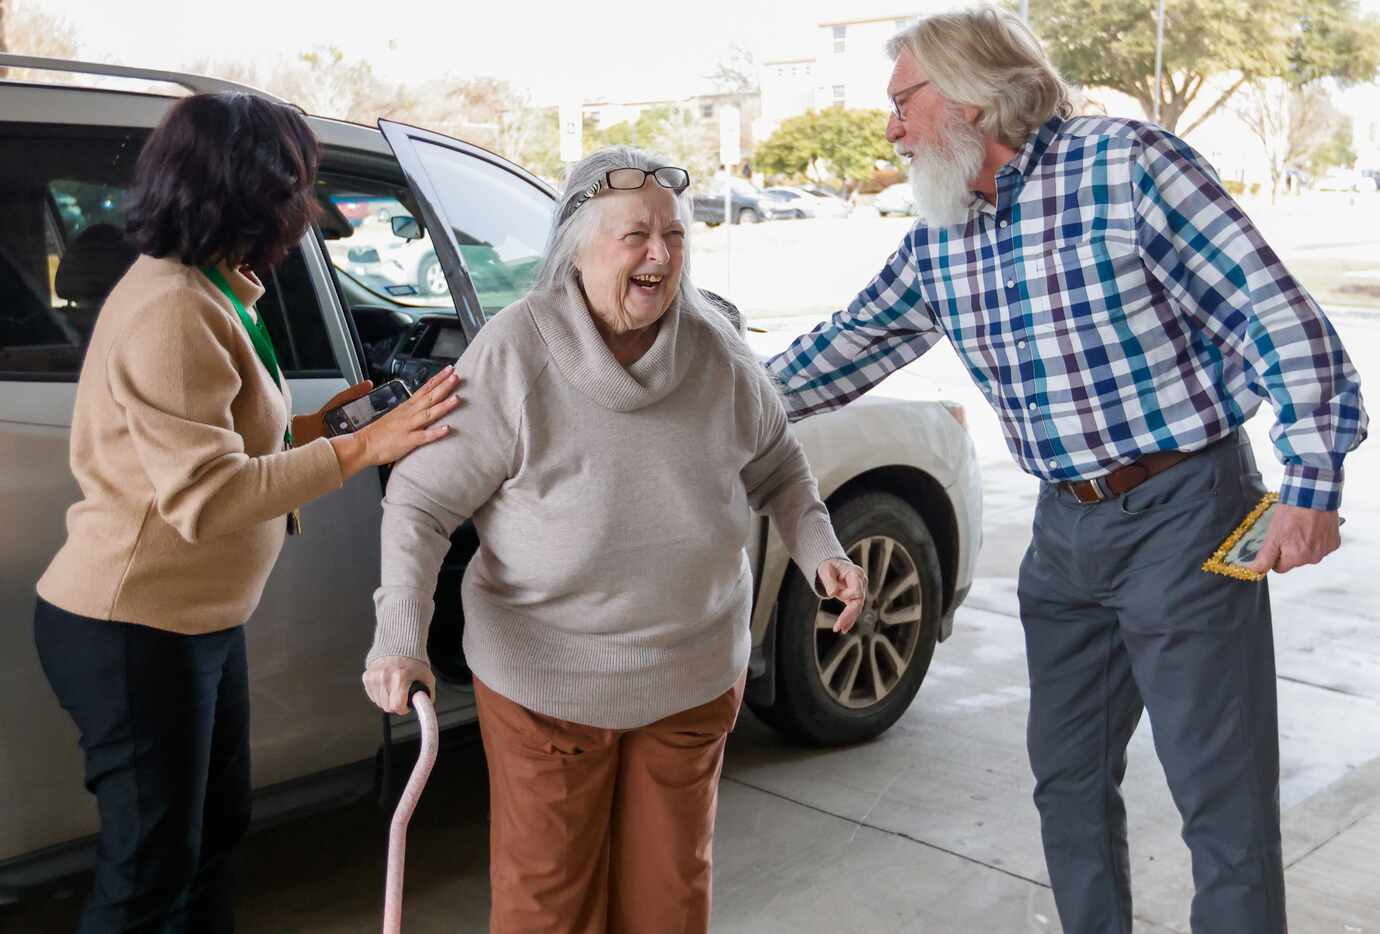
x: 94, y: 261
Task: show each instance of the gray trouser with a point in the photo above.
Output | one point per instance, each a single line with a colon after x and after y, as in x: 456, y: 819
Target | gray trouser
x: 1119, y: 617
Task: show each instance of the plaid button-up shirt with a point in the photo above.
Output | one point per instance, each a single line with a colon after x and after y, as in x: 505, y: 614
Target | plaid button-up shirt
x: 1114, y: 301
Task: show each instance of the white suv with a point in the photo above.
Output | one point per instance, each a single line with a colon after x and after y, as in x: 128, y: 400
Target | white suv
x: 901, y: 478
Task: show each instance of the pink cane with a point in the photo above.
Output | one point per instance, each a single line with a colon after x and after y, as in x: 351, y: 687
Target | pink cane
x: 397, y: 832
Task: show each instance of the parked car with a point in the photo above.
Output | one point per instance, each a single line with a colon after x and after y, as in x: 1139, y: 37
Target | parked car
x: 901, y: 478
x: 895, y: 199
x: 1339, y: 179
x: 749, y: 205
x: 401, y: 265
x: 801, y: 202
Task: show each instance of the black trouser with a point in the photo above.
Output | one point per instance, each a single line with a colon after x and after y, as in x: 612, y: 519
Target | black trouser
x: 164, y: 721
x: 1119, y: 617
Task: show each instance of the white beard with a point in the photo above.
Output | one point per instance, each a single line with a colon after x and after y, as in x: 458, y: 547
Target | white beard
x: 941, y: 176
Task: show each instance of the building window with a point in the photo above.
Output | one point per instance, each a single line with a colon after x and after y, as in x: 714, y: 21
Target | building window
x: 838, y: 94
x: 781, y: 71
x: 707, y: 109
x: 840, y: 39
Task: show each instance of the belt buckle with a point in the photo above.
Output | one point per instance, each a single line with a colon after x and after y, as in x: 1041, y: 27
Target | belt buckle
x: 1099, y: 491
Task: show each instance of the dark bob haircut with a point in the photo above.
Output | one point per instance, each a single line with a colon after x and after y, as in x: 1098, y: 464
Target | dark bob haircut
x: 225, y: 178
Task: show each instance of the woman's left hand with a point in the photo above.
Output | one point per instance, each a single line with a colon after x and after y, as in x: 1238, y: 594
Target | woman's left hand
x: 307, y: 428
x: 844, y: 580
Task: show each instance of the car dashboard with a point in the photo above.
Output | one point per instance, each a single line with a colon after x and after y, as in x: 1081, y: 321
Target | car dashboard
x: 431, y: 343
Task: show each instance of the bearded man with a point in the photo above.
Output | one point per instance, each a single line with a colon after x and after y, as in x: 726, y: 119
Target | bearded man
x: 1124, y: 318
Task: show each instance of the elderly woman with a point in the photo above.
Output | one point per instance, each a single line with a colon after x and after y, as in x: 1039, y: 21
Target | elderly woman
x: 623, y: 434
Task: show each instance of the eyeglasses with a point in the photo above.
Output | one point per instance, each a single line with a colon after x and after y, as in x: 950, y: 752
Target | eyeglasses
x: 902, y: 97
x: 668, y: 176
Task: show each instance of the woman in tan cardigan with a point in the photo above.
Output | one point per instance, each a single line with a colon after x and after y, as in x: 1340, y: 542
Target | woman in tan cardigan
x: 191, y: 469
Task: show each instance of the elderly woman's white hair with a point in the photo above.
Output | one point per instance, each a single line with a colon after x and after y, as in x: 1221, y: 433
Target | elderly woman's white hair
x: 566, y: 240
x: 987, y: 58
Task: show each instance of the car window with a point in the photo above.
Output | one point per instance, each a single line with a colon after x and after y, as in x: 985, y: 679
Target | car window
x: 62, y: 249
x: 61, y: 246
x: 292, y: 313
x: 501, y: 222
x: 357, y: 222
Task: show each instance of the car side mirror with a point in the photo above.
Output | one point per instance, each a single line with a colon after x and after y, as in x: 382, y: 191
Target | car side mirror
x: 406, y: 227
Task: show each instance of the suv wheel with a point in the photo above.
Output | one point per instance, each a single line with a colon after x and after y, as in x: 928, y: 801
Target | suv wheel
x: 431, y: 279
x: 839, y: 688
x: 748, y: 216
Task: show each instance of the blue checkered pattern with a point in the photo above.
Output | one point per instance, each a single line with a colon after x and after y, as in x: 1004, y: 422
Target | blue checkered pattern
x: 1114, y: 301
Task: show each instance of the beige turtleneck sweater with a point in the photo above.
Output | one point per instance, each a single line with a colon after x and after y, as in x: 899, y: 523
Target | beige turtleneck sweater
x: 612, y: 586
x: 177, y: 446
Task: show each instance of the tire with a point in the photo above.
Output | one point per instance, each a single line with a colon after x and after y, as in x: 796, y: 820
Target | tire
x: 746, y: 216
x: 834, y: 712
x: 431, y: 280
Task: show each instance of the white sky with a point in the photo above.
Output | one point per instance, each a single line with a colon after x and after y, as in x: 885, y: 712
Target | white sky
x: 555, y: 49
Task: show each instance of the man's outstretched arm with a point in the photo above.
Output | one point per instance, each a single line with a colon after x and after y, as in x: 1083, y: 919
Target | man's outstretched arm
x: 885, y: 327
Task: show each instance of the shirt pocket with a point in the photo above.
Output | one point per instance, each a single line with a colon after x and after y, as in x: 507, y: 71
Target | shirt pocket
x: 1094, y: 283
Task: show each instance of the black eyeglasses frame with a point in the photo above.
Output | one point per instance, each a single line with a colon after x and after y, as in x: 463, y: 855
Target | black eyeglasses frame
x: 607, y: 182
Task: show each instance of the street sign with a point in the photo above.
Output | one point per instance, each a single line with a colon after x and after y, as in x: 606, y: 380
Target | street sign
x: 730, y: 136
x: 572, y: 131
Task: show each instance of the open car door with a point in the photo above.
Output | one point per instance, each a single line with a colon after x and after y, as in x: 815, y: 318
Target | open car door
x: 487, y: 219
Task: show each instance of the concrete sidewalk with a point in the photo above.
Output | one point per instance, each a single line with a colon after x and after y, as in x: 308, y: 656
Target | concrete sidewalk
x: 931, y: 828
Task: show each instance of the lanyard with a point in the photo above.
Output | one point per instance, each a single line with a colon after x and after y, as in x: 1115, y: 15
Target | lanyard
x: 258, y: 336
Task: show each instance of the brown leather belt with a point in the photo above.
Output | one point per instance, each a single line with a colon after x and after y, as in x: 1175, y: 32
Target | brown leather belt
x: 1125, y: 478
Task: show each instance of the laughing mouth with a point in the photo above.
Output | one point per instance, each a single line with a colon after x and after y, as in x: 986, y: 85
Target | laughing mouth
x: 648, y: 281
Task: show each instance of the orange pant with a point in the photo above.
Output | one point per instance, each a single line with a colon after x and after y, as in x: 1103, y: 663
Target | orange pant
x: 596, y: 831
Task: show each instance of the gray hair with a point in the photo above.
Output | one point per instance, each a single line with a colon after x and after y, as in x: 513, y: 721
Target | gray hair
x: 568, y: 238
x: 987, y: 58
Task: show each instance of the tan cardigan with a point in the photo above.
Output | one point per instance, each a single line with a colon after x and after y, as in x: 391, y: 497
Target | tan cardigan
x: 177, y: 445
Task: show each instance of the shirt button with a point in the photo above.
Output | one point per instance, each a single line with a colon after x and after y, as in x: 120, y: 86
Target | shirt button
x: 1020, y: 344
x: 1010, y: 283
x: 1032, y: 406
x: 1002, y: 224
x: 1052, y: 464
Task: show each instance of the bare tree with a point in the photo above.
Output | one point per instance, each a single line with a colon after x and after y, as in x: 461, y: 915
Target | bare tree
x: 325, y: 82
x: 240, y: 72
x: 322, y: 81
x: 485, y: 111
x: 29, y: 31
x: 1290, y: 123
x: 735, y: 73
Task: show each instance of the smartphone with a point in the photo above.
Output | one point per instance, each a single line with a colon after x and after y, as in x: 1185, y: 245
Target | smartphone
x: 352, y: 416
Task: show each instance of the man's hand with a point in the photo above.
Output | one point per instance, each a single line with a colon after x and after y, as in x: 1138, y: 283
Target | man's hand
x: 1297, y: 536
x: 307, y: 428
x: 844, y: 580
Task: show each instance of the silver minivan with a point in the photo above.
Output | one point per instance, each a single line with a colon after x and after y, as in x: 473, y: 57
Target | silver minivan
x: 361, y: 297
